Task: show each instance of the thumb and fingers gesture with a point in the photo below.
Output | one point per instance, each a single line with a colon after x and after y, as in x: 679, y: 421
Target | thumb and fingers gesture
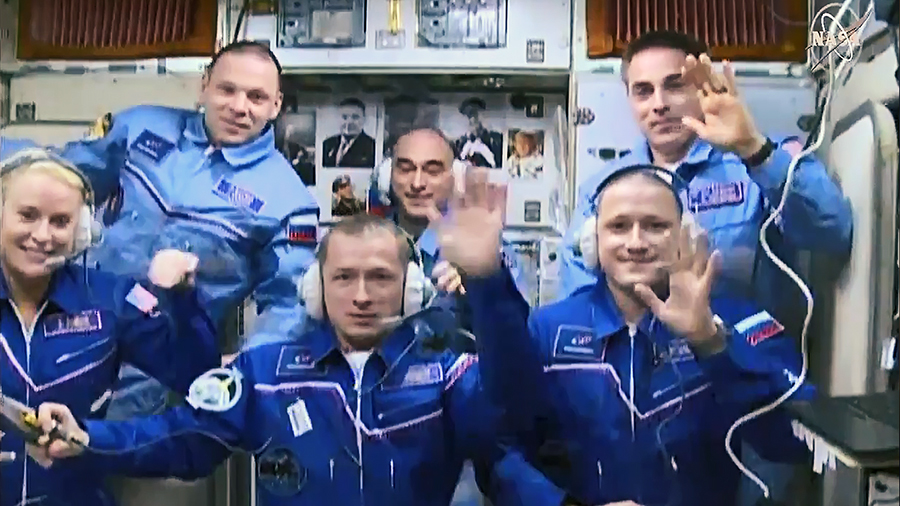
x: 691, y: 277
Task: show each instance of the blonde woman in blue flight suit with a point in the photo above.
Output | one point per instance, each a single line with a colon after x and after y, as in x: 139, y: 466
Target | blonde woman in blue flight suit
x: 65, y: 329
x: 211, y: 183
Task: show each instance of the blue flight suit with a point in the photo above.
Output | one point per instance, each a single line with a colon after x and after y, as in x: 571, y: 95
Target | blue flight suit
x: 9, y: 146
x: 399, y: 435
x: 730, y: 202
x: 611, y: 416
x: 241, y: 209
x: 91, y: 323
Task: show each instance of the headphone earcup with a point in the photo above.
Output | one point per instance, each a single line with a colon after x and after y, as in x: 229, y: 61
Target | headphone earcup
x: 310, y: 291
x: 587, y: 243
x: 84, y: 234
x: 383, y: 180
x: 417, y: 291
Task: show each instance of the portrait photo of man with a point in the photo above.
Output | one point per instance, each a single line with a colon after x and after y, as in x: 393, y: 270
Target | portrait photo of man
x: 479, y: 146
x: 352, y: 147
x: 343, y: 201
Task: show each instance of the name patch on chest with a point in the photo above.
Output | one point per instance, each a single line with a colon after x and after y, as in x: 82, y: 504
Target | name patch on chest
x: 294, y: 359
x: 575, y: 342
x: 80, y: 323
x: 298, y: 415
x: 717, y: 195
x: 679, y: 351
x: 151, y: 145
x: 423, y: 374
x: 237, y: 196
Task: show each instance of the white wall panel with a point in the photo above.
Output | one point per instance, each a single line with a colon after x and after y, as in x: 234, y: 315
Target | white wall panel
x: 88, y: 96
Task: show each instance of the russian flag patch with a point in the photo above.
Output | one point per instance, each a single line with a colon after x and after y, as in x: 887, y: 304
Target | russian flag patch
x: 303, y: 230
x: 759, y: 327
x: 142, y: 299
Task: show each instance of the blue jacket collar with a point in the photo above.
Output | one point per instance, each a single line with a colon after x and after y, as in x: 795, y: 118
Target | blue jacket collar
x: 66, y: 291
x: 239, y: 156
x: 324, y: 344
x: 428, y: 242
x: 700, y: 153
x: 606, y: 317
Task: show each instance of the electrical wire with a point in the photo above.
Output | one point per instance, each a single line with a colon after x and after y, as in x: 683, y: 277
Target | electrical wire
x: 833, y: 79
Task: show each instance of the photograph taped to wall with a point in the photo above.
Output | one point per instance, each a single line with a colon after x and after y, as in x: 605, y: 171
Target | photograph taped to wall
x: 462, y: 23
x: 295, y: 137
x: 342, y: 193
x: 348, y: 129
x: 403, y: 113
x: 476, y: 127
x: 525, y: 154
x: 321, y: 23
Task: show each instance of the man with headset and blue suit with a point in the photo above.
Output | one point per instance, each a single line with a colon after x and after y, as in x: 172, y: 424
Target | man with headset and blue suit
x: 211, y: 183
x: 376, y: 402
x: 695, y: 124
x: 735, y: 174
x: 628, y: 390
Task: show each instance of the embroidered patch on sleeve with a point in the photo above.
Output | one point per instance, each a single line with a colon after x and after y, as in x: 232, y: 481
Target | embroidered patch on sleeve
x: 759, y: 327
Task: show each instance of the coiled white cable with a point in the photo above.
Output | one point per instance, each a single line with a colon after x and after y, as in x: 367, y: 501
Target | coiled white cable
x: 833, y: 78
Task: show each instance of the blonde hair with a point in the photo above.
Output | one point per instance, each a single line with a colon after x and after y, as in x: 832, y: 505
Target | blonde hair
x: 39, y: 161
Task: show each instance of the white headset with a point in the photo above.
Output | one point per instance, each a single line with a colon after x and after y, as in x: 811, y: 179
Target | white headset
x: 418, y: 291
x: 585, y: 240
x: 381, y: 178
x: 88, y: 230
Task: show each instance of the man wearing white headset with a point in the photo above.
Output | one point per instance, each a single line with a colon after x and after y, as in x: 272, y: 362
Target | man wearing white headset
x: 65, y: 329
x: 695, y: 123
x: 636, y: 383
x: 372, y: 405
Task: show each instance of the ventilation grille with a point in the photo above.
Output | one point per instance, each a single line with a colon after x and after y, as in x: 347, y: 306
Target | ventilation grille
x: 116, y: 29
x: 734, y: 29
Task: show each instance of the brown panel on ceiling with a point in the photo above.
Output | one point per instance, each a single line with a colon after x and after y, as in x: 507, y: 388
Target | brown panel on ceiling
x: 756, y: 30
x: 115, y: 29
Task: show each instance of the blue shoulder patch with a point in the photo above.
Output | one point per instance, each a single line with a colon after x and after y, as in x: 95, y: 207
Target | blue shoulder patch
x: 758, y: 327
x: 303, y: 229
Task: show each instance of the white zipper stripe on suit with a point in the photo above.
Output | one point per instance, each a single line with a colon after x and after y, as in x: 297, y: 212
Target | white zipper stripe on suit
x: 27, y: 333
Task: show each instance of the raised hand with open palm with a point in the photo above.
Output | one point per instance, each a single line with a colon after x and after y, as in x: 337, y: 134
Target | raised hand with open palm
x: 686, y: 310
x: 727, y: 121
x: 470, y: 233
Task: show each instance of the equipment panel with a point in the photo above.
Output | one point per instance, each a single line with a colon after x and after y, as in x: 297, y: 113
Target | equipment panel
x: 321, y: 23
x: 462, y: 23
